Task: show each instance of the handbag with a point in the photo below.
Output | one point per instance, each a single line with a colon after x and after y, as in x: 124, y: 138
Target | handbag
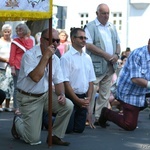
x: 3, y: 65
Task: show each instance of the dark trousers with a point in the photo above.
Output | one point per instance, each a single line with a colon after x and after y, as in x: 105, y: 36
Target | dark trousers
x: 78, y: 118
x: 128, y: 120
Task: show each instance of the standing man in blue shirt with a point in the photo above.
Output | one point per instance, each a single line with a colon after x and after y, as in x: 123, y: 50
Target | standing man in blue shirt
x: 133, y: 84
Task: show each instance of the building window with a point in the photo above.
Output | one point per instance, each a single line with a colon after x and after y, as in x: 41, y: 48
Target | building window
x: 117, y: 20
x: 83, y: 19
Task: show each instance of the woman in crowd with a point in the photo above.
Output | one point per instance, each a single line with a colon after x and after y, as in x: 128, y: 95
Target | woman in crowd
x: 18, y: 47
x: 6, y: 81
x: 64, y: 43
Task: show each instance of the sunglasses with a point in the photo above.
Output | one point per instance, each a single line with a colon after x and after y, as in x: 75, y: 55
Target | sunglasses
x: 53, y: 40
x: 81, y: 37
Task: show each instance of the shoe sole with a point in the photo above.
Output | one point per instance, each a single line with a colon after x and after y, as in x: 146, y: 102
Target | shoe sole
x: 13, y: 130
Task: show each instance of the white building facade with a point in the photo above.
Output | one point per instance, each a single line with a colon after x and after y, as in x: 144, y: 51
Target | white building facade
x: 131, y: 18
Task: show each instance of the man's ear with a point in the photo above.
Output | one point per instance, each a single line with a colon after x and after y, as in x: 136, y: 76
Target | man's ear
x: 96, y: 13
x: 149, y: 44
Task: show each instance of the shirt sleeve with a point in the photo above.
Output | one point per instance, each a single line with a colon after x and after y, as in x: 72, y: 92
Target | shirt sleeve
x: 57, y: 75
x: 89, y: 40
x: 136, y: 69
x: 12, y: 54
x: 29, y: 63
x: 65, y: 68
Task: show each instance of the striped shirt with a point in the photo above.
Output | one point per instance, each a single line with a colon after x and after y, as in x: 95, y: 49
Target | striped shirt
x: 136, y: 66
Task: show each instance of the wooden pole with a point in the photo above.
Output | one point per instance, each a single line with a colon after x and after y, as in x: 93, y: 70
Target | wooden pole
x: 50, y: 90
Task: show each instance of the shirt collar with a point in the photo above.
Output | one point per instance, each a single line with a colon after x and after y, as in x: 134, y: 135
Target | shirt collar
x: 74, y: 51
x: 99, y: 24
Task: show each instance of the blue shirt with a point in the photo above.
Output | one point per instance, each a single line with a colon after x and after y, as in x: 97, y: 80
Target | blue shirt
x: 136, y: 66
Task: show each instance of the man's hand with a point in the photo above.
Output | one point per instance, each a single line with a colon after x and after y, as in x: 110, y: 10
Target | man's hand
x: 113, y: 59
x: 50, y: 50
x: 84, y: 102
x: 13, y: 71
x: 90, y: 118
x: 62, y: 99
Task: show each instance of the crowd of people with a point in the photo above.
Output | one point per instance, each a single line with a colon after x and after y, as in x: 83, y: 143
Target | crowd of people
x: 84, y: 70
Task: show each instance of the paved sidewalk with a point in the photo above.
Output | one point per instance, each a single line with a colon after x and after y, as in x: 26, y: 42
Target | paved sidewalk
x: 111, y: 138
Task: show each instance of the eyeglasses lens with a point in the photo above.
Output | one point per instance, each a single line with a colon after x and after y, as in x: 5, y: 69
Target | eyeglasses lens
x: 56, y: 40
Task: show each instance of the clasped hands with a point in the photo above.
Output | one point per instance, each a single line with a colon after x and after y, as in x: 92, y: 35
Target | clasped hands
x: 113, y: 59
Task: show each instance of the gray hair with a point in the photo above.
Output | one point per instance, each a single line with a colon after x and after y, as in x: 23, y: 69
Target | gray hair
x: 98, y: 7
x: 24, y: 27
x: 6, y: 26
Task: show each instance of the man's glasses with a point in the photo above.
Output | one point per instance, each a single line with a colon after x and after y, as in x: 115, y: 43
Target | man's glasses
x: 56, y: 40
x: 53, y: 40
x: 81, y: 37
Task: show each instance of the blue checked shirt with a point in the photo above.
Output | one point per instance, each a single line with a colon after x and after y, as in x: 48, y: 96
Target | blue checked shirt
x: 136, y: 66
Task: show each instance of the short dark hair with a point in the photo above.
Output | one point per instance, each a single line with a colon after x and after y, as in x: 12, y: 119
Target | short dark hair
x: 128, y: 49
x: 74, y: 31
x: 123, y: 57
x: 44, y: 32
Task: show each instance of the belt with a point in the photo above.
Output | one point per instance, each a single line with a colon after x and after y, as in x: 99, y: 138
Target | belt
x: 30, y: 94
x: 81, y: 95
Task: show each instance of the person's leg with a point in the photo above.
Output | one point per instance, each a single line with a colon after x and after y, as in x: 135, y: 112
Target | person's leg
x: 7, y: 105
x: 71, y: 122
x: 1, y: 109
x: 128, y: 120
x: 80, y: 120
x: 95, y: 96
x: 2, y: 98
x: 15, y: 103
x: 15, y: 92
x: 9, y: 89
x: 63, y: 113
x: 29, y: 125
x: 104, y: 93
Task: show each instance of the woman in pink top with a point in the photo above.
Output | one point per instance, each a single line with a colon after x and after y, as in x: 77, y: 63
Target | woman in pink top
x: 64, y: 43
x: 18, y: 47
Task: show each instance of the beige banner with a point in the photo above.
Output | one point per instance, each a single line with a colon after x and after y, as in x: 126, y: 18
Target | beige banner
x: 25, y: 10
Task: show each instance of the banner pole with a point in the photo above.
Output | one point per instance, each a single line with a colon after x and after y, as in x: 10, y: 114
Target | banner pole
x: 50, y: 90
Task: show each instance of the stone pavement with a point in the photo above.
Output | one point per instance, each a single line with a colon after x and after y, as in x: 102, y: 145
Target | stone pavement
x: 111, y: 138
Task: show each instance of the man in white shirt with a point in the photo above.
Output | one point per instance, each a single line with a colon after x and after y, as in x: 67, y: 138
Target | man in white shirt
x: 79, y: 75
x: 33, y: 83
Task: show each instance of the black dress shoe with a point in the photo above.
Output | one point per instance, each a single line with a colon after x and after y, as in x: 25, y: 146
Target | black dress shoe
x: 57, y: 141
x: 107, y: 124
x: 96, y: 123
x: 13, y: 130
x: 102, y: 120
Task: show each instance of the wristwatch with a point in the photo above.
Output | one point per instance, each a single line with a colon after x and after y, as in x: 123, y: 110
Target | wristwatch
x: 117, y: 55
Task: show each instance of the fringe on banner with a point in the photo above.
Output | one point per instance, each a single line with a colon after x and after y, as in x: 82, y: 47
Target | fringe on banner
x: 24, y: 15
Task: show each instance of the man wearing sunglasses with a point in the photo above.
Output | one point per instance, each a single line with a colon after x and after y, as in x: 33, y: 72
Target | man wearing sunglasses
x: 79, y: 75
x: 103, y: 45
x: 33, y: 84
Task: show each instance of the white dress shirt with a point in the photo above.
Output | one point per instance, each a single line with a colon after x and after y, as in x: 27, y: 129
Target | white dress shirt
x: 105, y: 34
x: 78, y: 70
x: 29, y: 61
